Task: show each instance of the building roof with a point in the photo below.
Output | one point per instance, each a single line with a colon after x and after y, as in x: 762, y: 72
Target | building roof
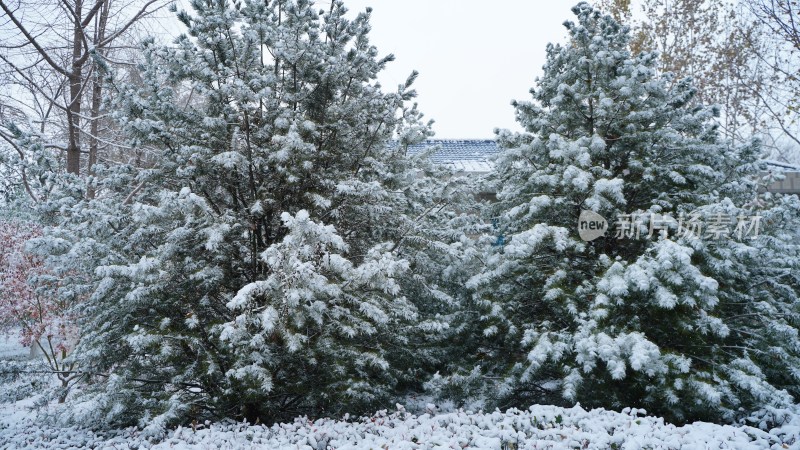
x: 475, y: 155
x: 778, y: 165
x: 467, y: 155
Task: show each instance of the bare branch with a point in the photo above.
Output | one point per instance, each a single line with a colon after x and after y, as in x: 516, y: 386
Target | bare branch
x: 138, y: 16
x: 33, y: 41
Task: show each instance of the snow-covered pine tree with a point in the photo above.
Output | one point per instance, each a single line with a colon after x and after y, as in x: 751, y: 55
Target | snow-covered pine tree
x: 687, y: 326
x: 281, y: 258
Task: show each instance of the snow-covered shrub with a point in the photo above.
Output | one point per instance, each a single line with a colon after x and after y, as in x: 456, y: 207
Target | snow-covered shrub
x: 537, y: 427
x: 687, y: 325
x: 284, y: 256
x: 318, y: 314
x: 28, y: 304
x: 26, y: 167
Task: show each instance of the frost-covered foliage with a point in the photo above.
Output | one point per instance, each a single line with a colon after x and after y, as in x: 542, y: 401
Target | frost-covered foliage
x: 686, y: 325
x: 284, y: 256
x: 316, y: 312
x: 45, y: 321
x: 20, y: 306
x: 27, y: 167
x: 537, y: 427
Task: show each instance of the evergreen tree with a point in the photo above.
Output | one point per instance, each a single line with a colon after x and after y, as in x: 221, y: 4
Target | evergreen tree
x: 282, y: 258
x: 678, y: 322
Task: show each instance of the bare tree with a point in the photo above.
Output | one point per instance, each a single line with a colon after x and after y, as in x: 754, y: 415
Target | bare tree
x: 782, y: 17
x: 68, y: 45
x: 782, y: 20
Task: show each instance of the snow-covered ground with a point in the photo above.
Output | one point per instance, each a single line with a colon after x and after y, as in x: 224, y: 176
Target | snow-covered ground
x: 10, y: 347
x: 539, y: 427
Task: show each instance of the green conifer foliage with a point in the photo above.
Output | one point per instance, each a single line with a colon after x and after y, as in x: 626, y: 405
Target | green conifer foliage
x: 684, y: 325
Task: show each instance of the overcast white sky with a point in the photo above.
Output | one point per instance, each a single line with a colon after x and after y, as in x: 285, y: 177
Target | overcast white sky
x: 474, y: 57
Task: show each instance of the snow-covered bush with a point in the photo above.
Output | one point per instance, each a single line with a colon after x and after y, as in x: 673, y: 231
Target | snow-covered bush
x: 284, y: 256
x: 318, y: 314
x: 45, y: 322
x: 536, y: 427
x: 688, y: 325
x: 27, y: 167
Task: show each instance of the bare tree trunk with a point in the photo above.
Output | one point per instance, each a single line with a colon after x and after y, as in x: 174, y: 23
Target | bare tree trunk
x: 62, y: 396
x: 97, y: 91
x: 75, y: 91
x: 97, y: 94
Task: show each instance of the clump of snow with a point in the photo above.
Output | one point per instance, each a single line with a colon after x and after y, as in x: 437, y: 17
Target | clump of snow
x: 539, y: 427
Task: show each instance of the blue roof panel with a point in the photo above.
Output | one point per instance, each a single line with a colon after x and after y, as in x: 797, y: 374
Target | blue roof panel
x: 453, y: 151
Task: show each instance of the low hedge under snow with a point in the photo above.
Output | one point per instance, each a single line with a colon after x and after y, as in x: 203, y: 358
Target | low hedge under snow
x: 539, y: 427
